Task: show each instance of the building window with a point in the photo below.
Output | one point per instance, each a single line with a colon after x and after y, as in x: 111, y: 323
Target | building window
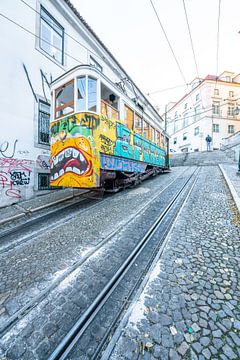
x: 216, y: 128
x: 185, y: 119
x: 230, y: 110
x: 216, y: 108
x: 231, y: 94
x: 176, y: 115
x: 196, y: 131
x: 231, y: 129
x: 216, y: 91
x: 184, y: 136
x: 175, y: 141
x: 197, y: 97
x: 51, y: 36
x: 43, y: 122
x: 94, y: 63
x: 43, y: 181
x: 197, y: 112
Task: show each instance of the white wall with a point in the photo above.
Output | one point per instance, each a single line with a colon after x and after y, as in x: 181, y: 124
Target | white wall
x: 21, y: 156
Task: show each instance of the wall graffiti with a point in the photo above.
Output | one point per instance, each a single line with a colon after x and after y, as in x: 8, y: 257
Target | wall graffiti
x: 8, y: 151
x: 20, y: 177
x: 14, y: 174
x: 43, y: 162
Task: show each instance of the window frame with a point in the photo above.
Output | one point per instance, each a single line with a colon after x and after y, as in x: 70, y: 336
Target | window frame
x: 231, y: 109
x: 60, y: 33
x: 215, y: 128
x: 45, y: 103
x: 216, y: 105
x: 196, y: 131
x: 230, y: 127
x: 65, y: 105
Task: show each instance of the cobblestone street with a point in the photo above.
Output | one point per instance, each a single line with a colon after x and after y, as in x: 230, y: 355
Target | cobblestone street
x: 190, y: 307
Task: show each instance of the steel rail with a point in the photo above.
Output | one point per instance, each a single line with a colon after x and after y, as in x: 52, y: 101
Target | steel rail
x: 69, y: 341
x: 118, y: 324
x: 40, y: 297
x: 37, y: 219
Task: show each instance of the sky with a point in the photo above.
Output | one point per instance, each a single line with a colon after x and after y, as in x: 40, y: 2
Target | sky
x: 131, y: 31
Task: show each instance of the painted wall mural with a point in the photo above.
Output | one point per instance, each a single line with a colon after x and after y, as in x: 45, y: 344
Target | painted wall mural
x: 15, y: 175
x: 82, y: 143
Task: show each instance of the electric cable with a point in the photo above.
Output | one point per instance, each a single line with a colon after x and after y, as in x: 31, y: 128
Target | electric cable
x: 170, y: 46
x: 191, y: 41
x: 40, y: 38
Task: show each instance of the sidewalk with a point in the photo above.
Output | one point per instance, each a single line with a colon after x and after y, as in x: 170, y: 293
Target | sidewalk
x: 233, y: 180
x: 22, y: 208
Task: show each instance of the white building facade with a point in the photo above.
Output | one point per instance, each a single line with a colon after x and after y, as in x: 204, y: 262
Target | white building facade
x: 211, y: 108
x: 40, y: 40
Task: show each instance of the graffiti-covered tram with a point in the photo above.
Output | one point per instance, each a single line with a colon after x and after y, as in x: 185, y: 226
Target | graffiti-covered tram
x: 100, y: 137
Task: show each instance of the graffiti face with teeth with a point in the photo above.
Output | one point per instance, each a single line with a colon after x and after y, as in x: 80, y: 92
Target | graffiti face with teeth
x: 73, y: 163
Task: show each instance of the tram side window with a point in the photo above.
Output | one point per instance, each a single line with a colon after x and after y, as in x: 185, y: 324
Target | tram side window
x: 81, y: 93
x: 146, y: 129
x: 109, y: 103
x: 64, y: 103
x: 157, y: 140
x: 152, y: 136
x: 92, y: 94
x: 138, y: 124
x: 129, y: 117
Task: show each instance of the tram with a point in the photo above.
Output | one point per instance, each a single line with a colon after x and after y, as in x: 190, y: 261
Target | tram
x: 100, y: 137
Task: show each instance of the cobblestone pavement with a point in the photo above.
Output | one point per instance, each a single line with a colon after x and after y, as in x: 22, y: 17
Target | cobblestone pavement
x: 39, y: 332
x: 190, y: 308
x: 30, y: 267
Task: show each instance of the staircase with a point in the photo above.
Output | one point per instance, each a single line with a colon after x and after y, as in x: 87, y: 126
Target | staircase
x: 203, y: 158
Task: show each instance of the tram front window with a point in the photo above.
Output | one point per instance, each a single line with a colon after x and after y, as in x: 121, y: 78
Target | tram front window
x: 81, y: 93
x: 64, y: 103
x: 92, y: 94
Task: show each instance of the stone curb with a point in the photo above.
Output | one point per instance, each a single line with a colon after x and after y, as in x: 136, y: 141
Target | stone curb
x: 231, y: 188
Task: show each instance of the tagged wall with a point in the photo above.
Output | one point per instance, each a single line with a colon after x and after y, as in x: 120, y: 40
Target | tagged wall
x: 16, y: 180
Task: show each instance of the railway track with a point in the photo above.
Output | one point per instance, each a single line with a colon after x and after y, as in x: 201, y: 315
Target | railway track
x: 39, y: 223
x: 119, y: 290
x: 42, y: 295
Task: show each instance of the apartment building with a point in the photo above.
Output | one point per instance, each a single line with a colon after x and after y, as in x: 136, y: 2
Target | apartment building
x: 40, y: 40
x: 212, y: 107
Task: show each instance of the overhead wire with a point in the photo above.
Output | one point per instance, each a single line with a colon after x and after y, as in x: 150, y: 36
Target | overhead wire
x: 78, y: 42
x: 191, y: 41
x: 166, y: 89
x: 200, y: 113
x: 40, y: 38
x: 65, y: 33
x: 170, y: 46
